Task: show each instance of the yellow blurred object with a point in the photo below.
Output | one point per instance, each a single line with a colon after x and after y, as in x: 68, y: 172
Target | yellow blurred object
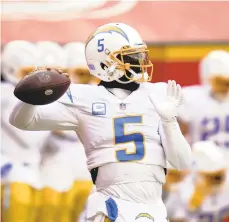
x: 2, y: 203
x: 206, y: 185
x: 20, y: 203
x: 106, y: 219
x: 202, y: 190
x: 67, y: 208
x: 79, y: 195
x: 94, y: 80
x: 173, y: 177
x: 36, y: 205
x: 214, y: 178
x: 80, y: 75
x: 58, y: 133
x: 22, y: 72
x: 220, y: 84
x: 51, y: 202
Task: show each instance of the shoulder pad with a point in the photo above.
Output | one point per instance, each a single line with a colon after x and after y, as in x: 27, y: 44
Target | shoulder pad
x: 77, y: 92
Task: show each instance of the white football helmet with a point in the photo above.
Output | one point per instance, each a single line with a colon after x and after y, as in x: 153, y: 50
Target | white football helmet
x: 116, y: 51
x: 207, y: 157
x: 51, y: 54
x: 216, y: 63
x: 18, y: 59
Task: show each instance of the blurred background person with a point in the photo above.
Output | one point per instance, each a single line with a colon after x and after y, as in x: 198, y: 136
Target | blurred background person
x: 57, y: 175
x: 67, y: 181
x: 21, y: 148
x: 204, y: 197
x: 174, y: 179
x: 205, y: 114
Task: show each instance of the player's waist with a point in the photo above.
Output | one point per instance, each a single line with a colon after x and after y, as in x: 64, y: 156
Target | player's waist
x: 122, y: 173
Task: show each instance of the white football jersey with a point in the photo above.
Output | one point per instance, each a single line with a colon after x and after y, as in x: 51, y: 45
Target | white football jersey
x: 215, y: 207
x: 208, y: 118
x: 114, y: 130
x: 18, y: 145
x: 110, y: 129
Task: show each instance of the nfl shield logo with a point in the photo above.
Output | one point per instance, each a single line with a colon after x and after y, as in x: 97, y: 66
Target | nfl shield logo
x: 122, y: 106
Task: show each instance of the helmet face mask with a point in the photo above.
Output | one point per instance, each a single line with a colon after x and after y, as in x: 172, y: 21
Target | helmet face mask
x: 134, y: 63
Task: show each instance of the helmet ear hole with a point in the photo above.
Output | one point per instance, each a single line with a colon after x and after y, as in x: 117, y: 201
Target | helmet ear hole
x: 103, y: 66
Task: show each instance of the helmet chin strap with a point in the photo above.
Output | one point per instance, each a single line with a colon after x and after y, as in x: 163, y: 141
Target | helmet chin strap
x: 111, y: 70
x: 136, y: 77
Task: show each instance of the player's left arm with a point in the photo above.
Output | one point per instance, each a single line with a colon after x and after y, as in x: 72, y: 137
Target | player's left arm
x: 177, y: 150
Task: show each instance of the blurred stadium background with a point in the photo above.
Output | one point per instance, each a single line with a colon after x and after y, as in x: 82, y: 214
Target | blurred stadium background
x: 179, y: 34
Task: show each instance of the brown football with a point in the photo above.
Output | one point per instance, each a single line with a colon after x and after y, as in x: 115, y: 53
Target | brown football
x: 42, y: 87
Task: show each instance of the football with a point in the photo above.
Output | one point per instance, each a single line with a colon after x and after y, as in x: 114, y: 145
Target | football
x: 42, y: 87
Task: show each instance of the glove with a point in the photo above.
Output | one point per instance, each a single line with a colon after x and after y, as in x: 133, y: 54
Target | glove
x: 168, y: 109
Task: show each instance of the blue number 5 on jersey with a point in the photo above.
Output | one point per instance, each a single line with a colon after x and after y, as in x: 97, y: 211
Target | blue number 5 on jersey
x: 121, y: 138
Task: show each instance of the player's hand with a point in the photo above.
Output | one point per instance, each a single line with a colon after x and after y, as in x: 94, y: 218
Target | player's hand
x: 168, y: 109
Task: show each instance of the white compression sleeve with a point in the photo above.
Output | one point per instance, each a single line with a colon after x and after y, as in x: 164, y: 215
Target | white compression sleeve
x: 178, y: 151
x: 55, y: 116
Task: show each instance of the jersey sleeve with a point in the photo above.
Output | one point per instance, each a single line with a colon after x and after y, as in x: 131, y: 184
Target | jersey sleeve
x: 59, y: 115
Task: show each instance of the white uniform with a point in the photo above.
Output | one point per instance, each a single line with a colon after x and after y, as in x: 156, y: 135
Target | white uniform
x: 208, y: 118
x: 114, y: 132
x: 64, y: 157
x: 20, y: 147
x: 173, y: 202
x: 215, y: 207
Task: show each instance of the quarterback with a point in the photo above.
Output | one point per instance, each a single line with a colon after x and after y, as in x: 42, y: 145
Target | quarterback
x: 127, y: 126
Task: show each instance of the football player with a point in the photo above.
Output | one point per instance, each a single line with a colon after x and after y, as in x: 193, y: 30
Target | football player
x: 205, y: 114
x: 128, y: 127
x: 21, y: 148
x: 56, y: 174
x: 204, y: 197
